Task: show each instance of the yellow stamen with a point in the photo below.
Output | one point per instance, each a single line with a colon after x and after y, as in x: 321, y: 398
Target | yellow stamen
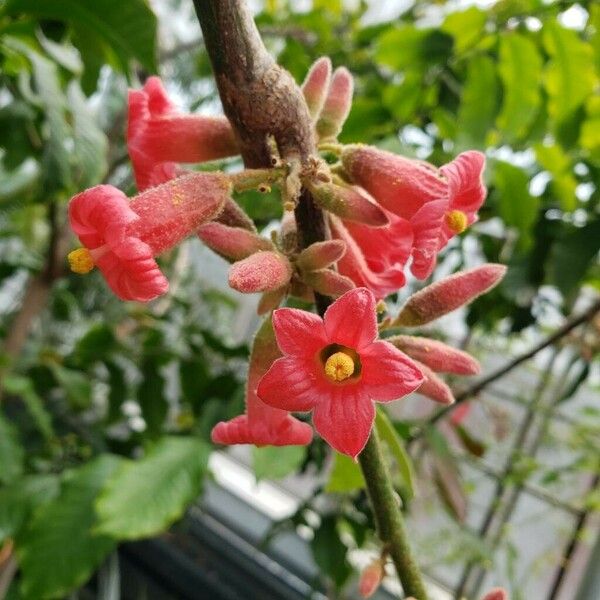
x: 339, y: 366
x: 80, y: 261
x: 457, y: 220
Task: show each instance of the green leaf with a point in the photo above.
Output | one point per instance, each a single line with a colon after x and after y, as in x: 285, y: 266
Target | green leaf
x: 12, y: 455
x: 465, y: 27
x: 409, y: 47
x: 57, y: 171
x: 479, y: 103
x: 129, y: 28
x: 20, y: 498
x: 76, y: 385
x: 519, y: 66
x: 390, y: 436
x: 569, y: 77
x: 275, y: 462
x: 91, y: 145
x: 151, y: 396
x: 557, y: 162
x: 345, y: 475
x: 144, y: 497
x: 95, y: 345
x: 23, y: 387
x: 59, y: 552
x: 572, y: 255
x: 517, y: 207
x: 329, y: 551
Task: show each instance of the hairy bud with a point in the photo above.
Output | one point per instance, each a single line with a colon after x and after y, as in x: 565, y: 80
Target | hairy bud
x: 371, y: 578
x: 337, y: 105
x: 348, y: 203
x: 496, y: 594
x: 443, y: 297
x: 433, y: 386
x: 260, y: 272
x: 316, y: 85
x: 321, y: 255
x: 436, y: 355
x: 232, y: 243
x: 328, y: 282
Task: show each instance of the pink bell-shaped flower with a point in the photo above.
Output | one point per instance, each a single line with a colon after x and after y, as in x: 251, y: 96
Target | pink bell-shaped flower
x: 159, y: 136
x: 122, y: 237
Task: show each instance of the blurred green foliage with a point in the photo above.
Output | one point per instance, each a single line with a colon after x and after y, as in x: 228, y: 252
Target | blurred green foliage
x: 97, y: 383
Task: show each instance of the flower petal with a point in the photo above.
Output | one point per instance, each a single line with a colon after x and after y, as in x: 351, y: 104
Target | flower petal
x: 299, y: 332
x: 464, y: 174
x: 351, y: 319
x: 290, y: 384
x: 427, y: 224
x: 131, y: 271
x: 243, y: 430
x: 387, y: 373
x: 345, y: 419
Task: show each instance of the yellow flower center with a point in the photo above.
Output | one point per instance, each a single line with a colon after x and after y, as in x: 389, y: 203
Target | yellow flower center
x: 339, y: 366
x: 80, y: 261
x: 457, y: 220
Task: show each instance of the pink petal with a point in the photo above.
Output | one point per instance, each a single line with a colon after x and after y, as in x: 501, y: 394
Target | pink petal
x: 382, y: 278
x: 99, y: 214
x: 290, y: 384
x: 387, y: 373
x: 299, y: 332
x: 243, y: 430
x: 131, y: 271
x: 426, y: 224
x: 345, y: 419
x: 351, y: 319
x: 464, y: 174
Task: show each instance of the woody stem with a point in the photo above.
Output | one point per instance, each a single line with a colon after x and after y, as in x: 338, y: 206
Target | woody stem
x: 263, y: 102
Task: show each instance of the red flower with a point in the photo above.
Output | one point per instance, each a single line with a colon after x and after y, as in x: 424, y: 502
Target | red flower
x: 439, y: 203
x: 375, y: 256
x: 122, y: 237
x: 262, y: 425
x: 158, y: 136
x: 335, y: 367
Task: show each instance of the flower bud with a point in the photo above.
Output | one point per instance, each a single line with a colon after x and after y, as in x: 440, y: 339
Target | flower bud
x: 496, y: 594
x: 232, y: 243
x: 316, y: 85
x: 371, y: 578
x: 321, y: 255
x: 443, y: 297
x: 348, y: 203
x: 271, y: 300
x: 337, y: 105
x: 436, y: 355
x: 260, y: 272
x: 328, y: 282
x: 433, y: 386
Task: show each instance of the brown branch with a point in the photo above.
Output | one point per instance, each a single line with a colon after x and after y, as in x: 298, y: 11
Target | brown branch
x: 480, y: 385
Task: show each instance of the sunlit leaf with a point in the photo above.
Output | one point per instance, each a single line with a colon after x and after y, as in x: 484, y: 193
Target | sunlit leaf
x: 345, y: 475
x: 519, y: 67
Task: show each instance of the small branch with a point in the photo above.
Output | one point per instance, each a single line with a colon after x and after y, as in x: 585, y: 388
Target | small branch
x: 478, y: 386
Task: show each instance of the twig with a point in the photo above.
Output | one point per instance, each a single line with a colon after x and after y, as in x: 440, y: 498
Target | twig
x: 478, y: 386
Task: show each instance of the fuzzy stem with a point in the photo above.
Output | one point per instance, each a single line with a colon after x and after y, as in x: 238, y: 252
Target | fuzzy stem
x: 388, y: 518
x: 262, y: 101
x: 252, y: 179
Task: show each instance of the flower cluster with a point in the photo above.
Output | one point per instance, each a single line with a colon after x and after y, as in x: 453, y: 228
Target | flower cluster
x: 386, y: 214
